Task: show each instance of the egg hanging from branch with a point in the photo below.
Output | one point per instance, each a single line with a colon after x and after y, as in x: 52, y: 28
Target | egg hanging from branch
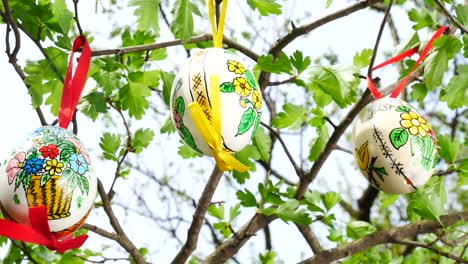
x: 395, y: 147
x: 240, y: 99
x: 52, y: 169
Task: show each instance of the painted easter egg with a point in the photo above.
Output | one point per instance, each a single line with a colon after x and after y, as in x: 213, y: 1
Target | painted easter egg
x: 395, y: 146
x: 52, y: 169
x: 240, y: 99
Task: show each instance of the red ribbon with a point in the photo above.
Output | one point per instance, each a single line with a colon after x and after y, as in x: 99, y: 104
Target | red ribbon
x: 73, y: 86
x: 404, y: 81
x: 39, y: 232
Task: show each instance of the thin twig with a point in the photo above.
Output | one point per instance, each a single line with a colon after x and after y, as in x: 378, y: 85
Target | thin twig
x: 77, y: 21
x: 277, y: 83
x: 430, y: 247
x: 310, y: 237
x: 340, y: 148
x: 100, y: 231
x: 298, y: 170
x: 377, y: 41
x: 451, y: 17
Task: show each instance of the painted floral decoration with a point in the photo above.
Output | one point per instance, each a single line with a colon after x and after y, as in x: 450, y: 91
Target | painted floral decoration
x: 61, y: 156
x: 242, y: 87
x: 235, y: 67
x: 414, y: 123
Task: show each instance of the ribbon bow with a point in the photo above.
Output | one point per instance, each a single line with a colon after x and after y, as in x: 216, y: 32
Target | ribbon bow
x: 399, y: 57
x: 39, y: 232
x: 211, y: 130
x: 217, y: 31
x: 73, y: 86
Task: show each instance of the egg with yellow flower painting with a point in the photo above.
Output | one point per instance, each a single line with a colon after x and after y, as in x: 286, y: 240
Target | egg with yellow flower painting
x: 52, y: 169
x: 395, y: 147
x: 240, y: 99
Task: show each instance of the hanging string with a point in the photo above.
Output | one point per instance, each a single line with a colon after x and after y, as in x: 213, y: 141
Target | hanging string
x: 73, y: 85
x: 399, y: 57
x: 39, y: 232
x: 211, y: 130
x: 217, y: 31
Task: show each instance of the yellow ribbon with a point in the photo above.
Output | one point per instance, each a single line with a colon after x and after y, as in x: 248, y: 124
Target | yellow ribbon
x: 211, y: 130
x: 217, y: 32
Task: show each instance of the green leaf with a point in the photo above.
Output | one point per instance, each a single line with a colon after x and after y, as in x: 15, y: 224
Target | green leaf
x: 281, y: 65
x: 83, y: 184
x: 187, y: 153
x: 421, y: 17
x: 247, y: 199
x: 465, y: 46
x: 133, y: 97
x: 418, y: 92
x: 167, y: 127
x: 251, y: 79
x: 95, y: 103
x: 293, y: 116
x: 462, y: 14
x: 142, y: 139
x: 234, y: 212
x: 313, y: 200
x: 223, y: 228
x: 299, y: 62
x: 358, y: 229
x: 247, y: 120
x: 158, y: 54
x: 455, y: 93
x: 262, y: 142
x: 290, y: 211
x: 182, y: 25
x: 265, y: 7
x: 168, y: 79
x: 147, y: 12
x: 63, y: 15
x: 268, y: 258
x: 110, y: 143
x: 339, y: 81
x: 429, y: 201
x: 448, y: 148
x: 227, y: 87
x: 361, y: 60
x: 399, y: 137
x: 437, y: 63
x: 319, y: 142
x: 216, y: 211
x: 330, y: 199
x: 328, y: 4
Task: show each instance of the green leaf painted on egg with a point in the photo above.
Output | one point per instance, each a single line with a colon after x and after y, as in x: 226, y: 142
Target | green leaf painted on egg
x: 398, y: 137
x: 403, y: 108
x: 251, y: 79
x: 227, y: 87
x: 248, y: 119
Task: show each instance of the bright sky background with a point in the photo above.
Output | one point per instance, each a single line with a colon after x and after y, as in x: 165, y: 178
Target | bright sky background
x: 345, y: 37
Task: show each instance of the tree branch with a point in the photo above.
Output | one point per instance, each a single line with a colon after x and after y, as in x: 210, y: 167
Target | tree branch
x: 385, y: 236
x: 310, y: 237
x: 198, y: 217
x: 433, y: 249
x: 365, y: 203
x: 202, y: 38
x: 452, y: 18
x: 123, y: 239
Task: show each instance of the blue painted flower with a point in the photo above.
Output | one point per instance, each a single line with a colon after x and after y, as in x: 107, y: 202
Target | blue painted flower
x: 78, y: 163
x: 33, y: 165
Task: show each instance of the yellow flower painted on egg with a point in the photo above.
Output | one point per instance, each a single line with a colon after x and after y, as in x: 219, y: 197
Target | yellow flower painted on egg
x: 362, y: 156
x: 257, y: 100
x: 242, y: 87
x: 242, y: 103
x: 53, y: 167
x: 414, y: 123
x: 235, y: 67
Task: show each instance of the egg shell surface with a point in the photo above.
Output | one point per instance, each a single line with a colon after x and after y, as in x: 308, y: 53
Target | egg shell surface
x: 53, y: 169
x: 240, y: 99
x: 395, y: 146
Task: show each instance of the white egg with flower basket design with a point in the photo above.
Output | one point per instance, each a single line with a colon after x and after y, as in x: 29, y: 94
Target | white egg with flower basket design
x: 240, y: 99
x: 395, y: 147
x: 52, y: 169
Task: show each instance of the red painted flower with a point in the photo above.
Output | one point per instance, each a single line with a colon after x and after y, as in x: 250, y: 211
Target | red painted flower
x: 177, y: 119
x: 50, y: 151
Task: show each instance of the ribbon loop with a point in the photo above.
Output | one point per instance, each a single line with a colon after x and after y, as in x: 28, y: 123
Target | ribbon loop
x: 399, y: 57
x: 211, y: 130
x: 73, y: 85
x: 39, y: 232
x: 217, y: 31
